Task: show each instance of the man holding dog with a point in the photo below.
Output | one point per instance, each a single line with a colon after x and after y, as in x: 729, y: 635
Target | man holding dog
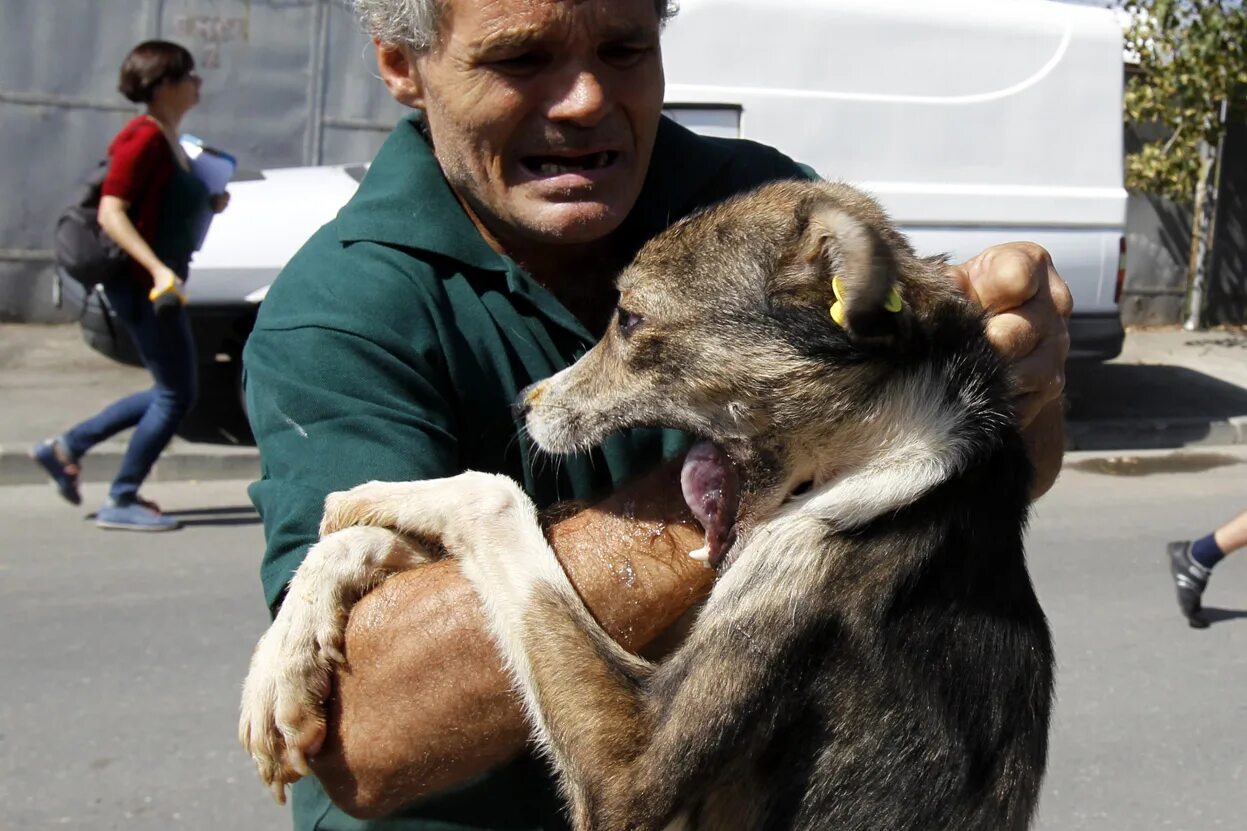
x: 476, y: 258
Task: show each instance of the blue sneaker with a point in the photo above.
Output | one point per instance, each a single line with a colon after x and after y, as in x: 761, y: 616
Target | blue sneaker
x: 139, y: 515
x: 54, y: 457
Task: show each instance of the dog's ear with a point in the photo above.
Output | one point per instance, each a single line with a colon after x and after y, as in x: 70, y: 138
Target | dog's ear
x: 855, y: 269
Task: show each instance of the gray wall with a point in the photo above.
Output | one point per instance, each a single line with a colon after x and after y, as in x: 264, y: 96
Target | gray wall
x: 1158, y: 239
x: 286, y: 82
x: 1227, y: 283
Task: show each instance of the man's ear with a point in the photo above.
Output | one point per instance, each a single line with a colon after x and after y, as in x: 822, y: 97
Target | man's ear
x: 398, y: 69
x: 845, y: 257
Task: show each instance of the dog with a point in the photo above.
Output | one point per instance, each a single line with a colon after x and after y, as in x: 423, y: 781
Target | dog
x: 872, y: 654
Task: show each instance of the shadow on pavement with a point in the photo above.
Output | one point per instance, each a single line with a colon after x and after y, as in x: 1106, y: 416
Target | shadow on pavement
x: 1131, y: 391
x: 1215, y: 615
x: 237, y: 515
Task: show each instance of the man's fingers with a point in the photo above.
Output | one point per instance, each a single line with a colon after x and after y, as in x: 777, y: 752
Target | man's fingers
x: 1012, y: 335
x: 1005, y: 276
x: 1039, y: 379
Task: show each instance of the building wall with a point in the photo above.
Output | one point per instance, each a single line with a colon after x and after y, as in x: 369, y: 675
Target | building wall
x: 286, y: 82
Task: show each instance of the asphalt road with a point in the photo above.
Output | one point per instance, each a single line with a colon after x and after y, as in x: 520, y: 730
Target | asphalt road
x: 121, y: 657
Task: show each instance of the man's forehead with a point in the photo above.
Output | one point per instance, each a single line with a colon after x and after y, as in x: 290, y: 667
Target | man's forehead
x: 493, y: 22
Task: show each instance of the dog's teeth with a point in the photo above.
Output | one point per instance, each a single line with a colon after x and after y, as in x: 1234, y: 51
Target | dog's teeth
x: 702, y: 554
x: 550, y: 169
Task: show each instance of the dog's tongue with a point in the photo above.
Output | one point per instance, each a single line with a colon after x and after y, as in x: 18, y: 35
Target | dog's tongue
x: 712, y: 490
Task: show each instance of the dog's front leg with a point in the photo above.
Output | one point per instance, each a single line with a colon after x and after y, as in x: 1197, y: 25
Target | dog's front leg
x: 613, y: 727
x: 281, y: 720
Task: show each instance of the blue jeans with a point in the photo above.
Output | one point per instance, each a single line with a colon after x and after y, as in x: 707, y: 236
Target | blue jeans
x: 165, y: 345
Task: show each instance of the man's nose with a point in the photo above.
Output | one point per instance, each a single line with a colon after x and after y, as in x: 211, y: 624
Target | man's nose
x: 582, y: 100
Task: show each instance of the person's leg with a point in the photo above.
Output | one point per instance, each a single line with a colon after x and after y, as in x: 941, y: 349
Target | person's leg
x: 1191, y: 564
x: 1230, y: 537
x: 165, y: 344
x: 59, y: 455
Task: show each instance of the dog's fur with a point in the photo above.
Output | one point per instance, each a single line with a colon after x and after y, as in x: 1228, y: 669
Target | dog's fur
x: 873, y: 654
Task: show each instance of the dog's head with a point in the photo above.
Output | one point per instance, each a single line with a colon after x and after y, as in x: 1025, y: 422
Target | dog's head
x: 767, y: 327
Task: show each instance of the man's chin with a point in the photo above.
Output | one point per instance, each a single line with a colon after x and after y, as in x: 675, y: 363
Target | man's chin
x: 571, y: 223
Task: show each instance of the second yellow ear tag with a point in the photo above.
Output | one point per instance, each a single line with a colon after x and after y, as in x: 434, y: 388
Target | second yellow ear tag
x: 837, y: 313
x: 837, y: 287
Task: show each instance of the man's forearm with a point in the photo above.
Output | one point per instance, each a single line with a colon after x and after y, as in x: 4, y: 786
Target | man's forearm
x: 424, y: 702
x: 1045, y: 440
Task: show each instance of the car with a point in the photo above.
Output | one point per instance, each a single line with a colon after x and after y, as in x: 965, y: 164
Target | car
x: 974, y: 123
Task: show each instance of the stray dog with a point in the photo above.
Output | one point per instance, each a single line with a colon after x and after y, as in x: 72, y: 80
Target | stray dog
x: 872, y: 655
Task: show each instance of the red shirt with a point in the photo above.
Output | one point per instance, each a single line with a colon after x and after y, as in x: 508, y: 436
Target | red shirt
x: 140, y: 165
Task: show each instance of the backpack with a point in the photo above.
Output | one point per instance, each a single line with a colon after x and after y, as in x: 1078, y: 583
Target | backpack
x: 83, y: 250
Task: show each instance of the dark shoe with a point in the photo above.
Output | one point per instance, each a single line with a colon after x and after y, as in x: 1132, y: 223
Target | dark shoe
x: 1190, y: 579
x: 55, y: 459
x: 139, y: 515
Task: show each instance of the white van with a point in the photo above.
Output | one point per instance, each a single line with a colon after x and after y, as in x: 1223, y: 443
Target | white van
x: 974, y: 121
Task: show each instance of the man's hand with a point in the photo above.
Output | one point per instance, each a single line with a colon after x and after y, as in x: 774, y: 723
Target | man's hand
x: 1029, y: 304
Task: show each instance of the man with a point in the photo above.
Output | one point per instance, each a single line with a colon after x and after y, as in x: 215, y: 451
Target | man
x: 476, y: 258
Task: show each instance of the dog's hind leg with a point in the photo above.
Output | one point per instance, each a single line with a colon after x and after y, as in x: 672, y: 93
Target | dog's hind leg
x: 282, y: 719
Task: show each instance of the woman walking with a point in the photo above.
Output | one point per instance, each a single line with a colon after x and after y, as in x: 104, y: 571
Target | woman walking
x: 149, y: 205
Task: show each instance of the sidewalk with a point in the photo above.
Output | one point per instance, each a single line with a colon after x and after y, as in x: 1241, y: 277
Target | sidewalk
x: 50, y: 379
x: 1169, y: 389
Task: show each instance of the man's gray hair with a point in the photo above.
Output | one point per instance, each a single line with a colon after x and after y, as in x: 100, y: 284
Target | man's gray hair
x: 413, y: 23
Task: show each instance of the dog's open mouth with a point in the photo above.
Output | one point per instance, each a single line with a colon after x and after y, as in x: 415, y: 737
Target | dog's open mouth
x: 711, y: 488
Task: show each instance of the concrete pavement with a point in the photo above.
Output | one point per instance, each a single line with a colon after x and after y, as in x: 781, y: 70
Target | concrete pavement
x: 1168, y: 389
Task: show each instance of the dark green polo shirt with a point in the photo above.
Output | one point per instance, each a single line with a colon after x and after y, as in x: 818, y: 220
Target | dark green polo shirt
x: 391, y: 347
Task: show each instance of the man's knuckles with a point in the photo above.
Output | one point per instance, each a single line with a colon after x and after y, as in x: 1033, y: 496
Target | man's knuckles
x: 1006, y: 276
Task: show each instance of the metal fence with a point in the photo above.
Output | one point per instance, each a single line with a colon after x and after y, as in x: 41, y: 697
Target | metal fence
x: 286, y: 82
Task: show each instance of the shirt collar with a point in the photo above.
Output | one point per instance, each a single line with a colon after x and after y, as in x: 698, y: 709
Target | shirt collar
x: 404, y: 199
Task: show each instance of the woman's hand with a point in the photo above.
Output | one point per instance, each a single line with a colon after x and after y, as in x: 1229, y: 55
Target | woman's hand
x: 164, y: 278
x: 219, y: 201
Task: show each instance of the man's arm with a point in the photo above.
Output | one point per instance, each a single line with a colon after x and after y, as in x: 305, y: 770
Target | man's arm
x: 432, y: 707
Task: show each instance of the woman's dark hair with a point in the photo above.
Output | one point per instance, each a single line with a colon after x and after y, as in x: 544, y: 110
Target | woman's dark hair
x: 149, y: 65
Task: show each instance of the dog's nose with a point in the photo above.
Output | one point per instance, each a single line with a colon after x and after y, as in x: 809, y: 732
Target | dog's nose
x: 519, y: 408
x: 525, y: 400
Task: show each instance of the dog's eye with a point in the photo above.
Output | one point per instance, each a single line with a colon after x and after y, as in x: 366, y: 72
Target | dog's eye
x: 628, y: 322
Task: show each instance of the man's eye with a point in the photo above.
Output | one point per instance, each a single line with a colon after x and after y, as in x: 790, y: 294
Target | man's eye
x: 623, y: 54
x: 523, y: 64
x: 628, y: 321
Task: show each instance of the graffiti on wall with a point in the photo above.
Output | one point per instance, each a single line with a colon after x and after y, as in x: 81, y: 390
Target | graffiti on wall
x: 210, y: 34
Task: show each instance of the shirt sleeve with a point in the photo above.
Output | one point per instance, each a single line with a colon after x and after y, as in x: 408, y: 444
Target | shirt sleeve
x: 337, y: 398
x: 137, y: 161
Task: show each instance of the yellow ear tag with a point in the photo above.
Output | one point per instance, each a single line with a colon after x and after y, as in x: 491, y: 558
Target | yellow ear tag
x: 837, y: 313
x: 837, y: 308
x: 893, y: 301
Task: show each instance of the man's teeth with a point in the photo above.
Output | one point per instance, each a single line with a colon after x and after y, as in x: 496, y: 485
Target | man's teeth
x: 594, y: 162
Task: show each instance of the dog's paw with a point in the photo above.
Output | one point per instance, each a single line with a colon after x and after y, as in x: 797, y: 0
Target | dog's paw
x: 447, y: 511
x: 282, y: 719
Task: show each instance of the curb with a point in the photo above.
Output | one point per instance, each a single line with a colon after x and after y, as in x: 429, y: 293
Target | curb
x: 1155, y: 433
x: 183, y: 463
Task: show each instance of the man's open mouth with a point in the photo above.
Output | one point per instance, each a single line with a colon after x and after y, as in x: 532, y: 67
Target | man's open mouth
x: 711, y: 488
x: 559, y: 165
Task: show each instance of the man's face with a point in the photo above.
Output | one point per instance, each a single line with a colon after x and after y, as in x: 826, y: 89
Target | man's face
x: 543, y: 113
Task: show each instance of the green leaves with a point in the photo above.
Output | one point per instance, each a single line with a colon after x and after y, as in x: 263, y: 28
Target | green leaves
x: 1192, y: 55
